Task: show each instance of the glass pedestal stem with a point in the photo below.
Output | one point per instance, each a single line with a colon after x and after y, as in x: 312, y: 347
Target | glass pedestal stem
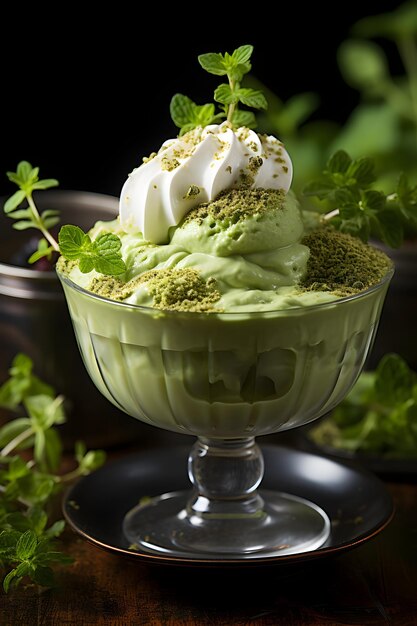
x: 225, y: 474
x: 225, y: 516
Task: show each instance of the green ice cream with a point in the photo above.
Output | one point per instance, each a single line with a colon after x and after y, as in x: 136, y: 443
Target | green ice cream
x: 242, y: 252
x: 248, y: 322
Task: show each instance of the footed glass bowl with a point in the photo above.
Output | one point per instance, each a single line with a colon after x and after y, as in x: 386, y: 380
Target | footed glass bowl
x: 225, y: 378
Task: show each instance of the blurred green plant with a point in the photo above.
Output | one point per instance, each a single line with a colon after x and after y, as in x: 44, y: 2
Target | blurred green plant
x: 379, y: 415
x: 383, y: 125
x: 307, y: 141
x: 30, y: 480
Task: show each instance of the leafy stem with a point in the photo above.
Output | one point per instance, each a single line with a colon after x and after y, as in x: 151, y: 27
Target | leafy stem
x: 40, y: 223
x: 353, y: 206
x: 378, y: 415
x: 187, y: 115
x: 27, y: 544
x: 102, y: 255
x: 15, y: 443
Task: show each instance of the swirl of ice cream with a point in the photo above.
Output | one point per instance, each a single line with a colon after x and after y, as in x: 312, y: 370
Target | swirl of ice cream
x: 195, y: 168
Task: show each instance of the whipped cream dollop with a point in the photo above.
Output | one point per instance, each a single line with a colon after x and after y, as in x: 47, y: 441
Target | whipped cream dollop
x: 195, y: 168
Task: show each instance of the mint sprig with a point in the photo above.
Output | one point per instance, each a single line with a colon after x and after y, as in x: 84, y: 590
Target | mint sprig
x: 355, y: 207
x: 27, y: 179
x: 187, y: 115
x: 27, y: 537
x: 379, y: 415
x: 102, y: 254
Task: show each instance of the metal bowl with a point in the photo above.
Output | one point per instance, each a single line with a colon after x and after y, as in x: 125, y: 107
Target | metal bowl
x: 34, y: 319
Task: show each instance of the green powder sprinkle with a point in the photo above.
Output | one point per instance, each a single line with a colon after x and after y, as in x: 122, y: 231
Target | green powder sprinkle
x: 169, y: 164
x: 171, y: 289
x: 192, y: 192
x: 341, y: 263
x: 65, y: 266
x: 237, y: 204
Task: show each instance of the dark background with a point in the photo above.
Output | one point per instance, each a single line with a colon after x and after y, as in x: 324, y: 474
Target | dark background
x: 85, y: 99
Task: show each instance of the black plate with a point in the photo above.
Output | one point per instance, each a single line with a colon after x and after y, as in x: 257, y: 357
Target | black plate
x: 356, y: 501
x: 386, y: 467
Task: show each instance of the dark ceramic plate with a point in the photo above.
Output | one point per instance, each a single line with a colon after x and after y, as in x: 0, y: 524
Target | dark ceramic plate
x: 357, y: 503
x: 385, y: 467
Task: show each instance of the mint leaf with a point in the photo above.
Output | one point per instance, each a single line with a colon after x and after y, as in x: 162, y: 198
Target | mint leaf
x: 225, y: 95
x: 45, y: 411
x: 23, y: 225
x: 242, y: 54
x: 107, y: 259
x: 339, y: 162
x: 187, y: 115
x: 26, y: 545
x: 13, y: 429
x: 204, y: 114
x: 244, y: 118
x: 25, y: 171
x: 252, y: 98
x: 22, y: 383
x: 43, y: 251
x: 182, y: 110
x: 72, y: 241
x: 20, y: 214
x: 15, y: 576
x: 362, y: 170
x: 50, y: 218
x: 102, y: 254
x: 47, y: 183
x: 213, y: 63
x: 13, y: 202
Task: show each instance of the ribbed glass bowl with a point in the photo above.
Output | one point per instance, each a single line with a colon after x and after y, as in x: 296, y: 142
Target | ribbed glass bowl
x: 225, y: 378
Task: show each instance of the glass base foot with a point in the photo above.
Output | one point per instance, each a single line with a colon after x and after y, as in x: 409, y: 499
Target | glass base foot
x: 278, y: 524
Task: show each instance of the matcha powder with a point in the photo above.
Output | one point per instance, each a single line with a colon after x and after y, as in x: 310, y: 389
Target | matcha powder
x: 342, y: 263
x: 237, y: 204
x: 170, y: 289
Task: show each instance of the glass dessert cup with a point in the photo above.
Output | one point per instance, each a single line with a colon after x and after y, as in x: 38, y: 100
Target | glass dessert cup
x: 225, y: 378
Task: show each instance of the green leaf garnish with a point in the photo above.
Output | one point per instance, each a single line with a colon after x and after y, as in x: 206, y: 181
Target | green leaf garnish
x: 379, y: 415
x: 26, y: 178
x: 356, y: 208
x: 27, y: 539
x: 101, y: 254
x: 187, y: 115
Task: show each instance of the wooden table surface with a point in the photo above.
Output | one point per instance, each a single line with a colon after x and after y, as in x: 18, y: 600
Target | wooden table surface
x: 373, y: 584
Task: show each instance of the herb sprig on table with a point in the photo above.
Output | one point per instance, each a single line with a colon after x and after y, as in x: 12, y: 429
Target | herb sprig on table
x: 102, y: 254
x: 378, y: 416
x: 30, y: 458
